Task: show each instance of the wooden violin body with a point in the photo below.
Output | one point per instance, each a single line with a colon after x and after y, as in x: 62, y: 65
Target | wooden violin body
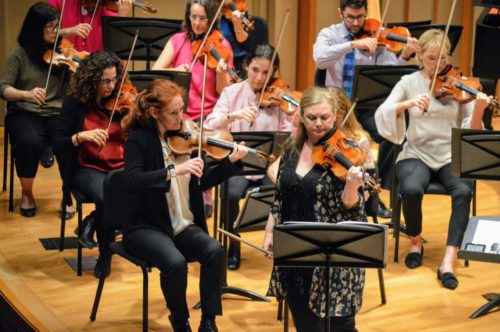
x: 242, y: 6
x: 89, y: 5
x: 126, y: 99
x: 279, y: 94
x: 65, y: 55
x: 394, y: 38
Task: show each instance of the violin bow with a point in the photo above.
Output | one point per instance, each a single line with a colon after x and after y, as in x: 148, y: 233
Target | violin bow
x: 441, y: 47
x: 123, y: 80
x: 92, y: 18
x: 382, y: 19
x: 210, y: 28
x: 270, y: 71
x: 348, y: 114
x: 200, y: 134
x: 55, y: 46
x: 237, y: 238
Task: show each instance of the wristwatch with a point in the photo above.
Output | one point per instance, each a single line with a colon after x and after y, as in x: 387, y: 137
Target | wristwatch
x: 171, y: 170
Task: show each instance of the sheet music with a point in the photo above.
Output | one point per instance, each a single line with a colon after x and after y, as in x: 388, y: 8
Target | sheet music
x: 488, y: 234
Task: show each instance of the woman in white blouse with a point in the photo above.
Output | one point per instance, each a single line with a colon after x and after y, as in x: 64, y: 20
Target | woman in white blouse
x: 426, y: 153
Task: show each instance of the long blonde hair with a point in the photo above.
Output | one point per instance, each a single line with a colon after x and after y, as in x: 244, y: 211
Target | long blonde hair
x: 312, y: 96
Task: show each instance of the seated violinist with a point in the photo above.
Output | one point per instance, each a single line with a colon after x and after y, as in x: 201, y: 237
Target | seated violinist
x: 426, y: 153
x: 87, y: 151
x: 77, y: 24
x: 236, y: 111
x: 32, y: 108
x: 167, y: 226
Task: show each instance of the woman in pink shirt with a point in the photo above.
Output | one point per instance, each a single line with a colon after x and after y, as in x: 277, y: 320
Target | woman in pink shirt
x: 237, y: 111
x: 178, y: 55
x: 76, y: 25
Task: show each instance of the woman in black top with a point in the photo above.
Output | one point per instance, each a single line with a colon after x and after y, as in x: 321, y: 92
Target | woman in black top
x: 308, y: 192
x: 166, y: 225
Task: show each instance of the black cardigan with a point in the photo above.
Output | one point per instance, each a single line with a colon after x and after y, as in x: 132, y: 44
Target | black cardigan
x: 145, y: 178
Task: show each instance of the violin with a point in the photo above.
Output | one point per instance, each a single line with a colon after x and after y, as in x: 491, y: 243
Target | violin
x: 450, y: 83
x: 65, y: 55
x: 339, y: 153
x: 215, y: 50
x: 125, y: 101
x: 278, y: 93
x: 242, y: 6
x: 216, y: 143
x: 89, y: 5
x: 393, y: 38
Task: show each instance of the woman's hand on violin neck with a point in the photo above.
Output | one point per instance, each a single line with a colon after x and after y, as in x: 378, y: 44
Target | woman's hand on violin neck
x: 410, y: 48
x: 192, y: 166
x: 124, y: 7
x: 239, y: 152
x: 98, y: 136
x: 365, y: 44
x: 35, y: 95
x: 221, y: 67
x: 81, y: 30
x: 237, y: 18
x: 354, y: 178
x: 482, y: 101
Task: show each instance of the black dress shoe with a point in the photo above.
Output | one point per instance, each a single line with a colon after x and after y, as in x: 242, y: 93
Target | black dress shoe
x: 102, y: 266
x: 383, y: 211
x: 414, y: 259
x: 233, y: 256
x: 179, y: 326
x: 47, y: 157
x: 207, y: 325
x: 448, y: 279
x: 86, y: 237
x: 31, y: 212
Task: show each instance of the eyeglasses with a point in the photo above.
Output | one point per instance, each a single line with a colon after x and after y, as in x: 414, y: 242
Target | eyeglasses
x: 51, y: 27
x: 201, y: 19
x: 108, y: 81
x: 350, y: 18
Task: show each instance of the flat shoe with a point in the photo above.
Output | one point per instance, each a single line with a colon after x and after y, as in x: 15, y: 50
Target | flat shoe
x: 414, y: 259
x: 31, y: 212
x: 448, y: 279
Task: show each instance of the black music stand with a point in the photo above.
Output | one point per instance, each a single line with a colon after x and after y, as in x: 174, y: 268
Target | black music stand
x: 118, y: 34
x: 255, y: 211
x: 480, y: 150
x: 317, y: 244
x: 142, y: 78
x: 267, y: 142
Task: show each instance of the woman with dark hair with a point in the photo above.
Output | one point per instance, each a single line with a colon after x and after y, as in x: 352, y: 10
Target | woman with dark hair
x: 178, y: 55
x: 236, y: 111
x: 32, y: 110
x: 87, y: 151
x: 307, y: 192
x: 166, y: 226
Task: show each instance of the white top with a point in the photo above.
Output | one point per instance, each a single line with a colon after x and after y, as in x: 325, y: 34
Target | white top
x: 428, y: 134
x: 332, y: 44
x: 178, y: 195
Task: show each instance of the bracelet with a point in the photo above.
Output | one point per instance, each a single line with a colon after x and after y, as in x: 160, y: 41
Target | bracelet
x: 78, y: 138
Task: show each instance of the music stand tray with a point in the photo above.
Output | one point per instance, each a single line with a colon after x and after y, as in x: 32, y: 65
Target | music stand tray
x: 255, y: 211
x: 348, y: 244
x: 118, y: 33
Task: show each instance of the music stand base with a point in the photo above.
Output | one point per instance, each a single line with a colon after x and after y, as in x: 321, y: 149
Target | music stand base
x: 240, y: 292
x: 493, y: 301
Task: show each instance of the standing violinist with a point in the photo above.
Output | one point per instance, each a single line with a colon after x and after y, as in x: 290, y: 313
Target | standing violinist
x: 32, y: 110
x: 167, y: 226
x: 426, y: 154
x: 87, y: 151
x: 77, y: 24
x: 236, y: 110
x: 338, y: 50
x: 310, y: 193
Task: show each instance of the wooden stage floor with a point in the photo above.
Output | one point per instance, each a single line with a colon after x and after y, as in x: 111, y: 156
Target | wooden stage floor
x: 51, y: 297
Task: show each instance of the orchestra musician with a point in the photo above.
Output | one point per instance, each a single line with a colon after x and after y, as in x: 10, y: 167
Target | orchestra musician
x: 426, y: 154
x: 32, y: 110
x: 167, y: 226
x: 338, y: 50
x: 308, y: 192
x: 236, y: 110
x: 87, y: 151
x: 77, y: 24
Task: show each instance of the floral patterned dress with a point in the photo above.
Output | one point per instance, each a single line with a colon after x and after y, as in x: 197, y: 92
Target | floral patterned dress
x: 316, y: 197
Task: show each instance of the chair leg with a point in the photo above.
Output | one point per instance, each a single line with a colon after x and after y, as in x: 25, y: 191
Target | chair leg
x: 396, y: 221
x: 97, y: 299
x: 145, y: 300
x: 285, y: 319
x: 63, y: 224
x: 78, y: 245
x: 11, y: 184
x: 381, y: 283
x: 5, y: 158
x: 474, y: 201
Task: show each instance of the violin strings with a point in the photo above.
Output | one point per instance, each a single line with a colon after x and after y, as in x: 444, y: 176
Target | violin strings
x: 347, y: 164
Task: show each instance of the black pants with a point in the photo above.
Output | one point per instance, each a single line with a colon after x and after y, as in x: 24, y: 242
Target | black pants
x: 171, y: 257
x: 30, y: 134
x: 238, y: 186
x: 414, y: 176
x: 91, y: 183
x: 307, y: 321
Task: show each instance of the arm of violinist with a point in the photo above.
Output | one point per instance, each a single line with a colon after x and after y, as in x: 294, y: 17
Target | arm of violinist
x: 35, y: 95
x: 329, y: 49
x: 241, y: 34
x: 267, y: 244
x: 480, y: 104
x: 166, y: 60
x: 81, y: 30
x: 218, y: 118
x: 354, y: 180
x: 223, y: 77
x: 272, y: 171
